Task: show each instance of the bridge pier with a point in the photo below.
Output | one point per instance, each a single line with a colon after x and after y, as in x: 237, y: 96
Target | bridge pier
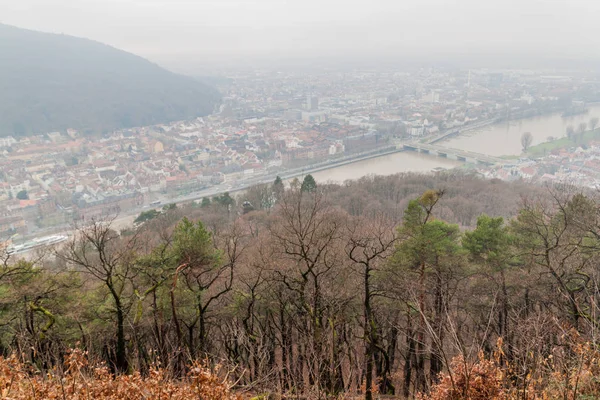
x: 452, y: 154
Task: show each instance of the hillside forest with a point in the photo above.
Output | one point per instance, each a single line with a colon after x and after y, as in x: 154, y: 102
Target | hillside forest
x: 53, y: 82
x: 411, y: 286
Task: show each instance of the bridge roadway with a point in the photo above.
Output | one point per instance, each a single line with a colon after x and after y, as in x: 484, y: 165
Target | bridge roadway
x: 455, y: 154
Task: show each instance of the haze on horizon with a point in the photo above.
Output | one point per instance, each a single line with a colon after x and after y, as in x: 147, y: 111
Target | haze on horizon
x: 186, y: 34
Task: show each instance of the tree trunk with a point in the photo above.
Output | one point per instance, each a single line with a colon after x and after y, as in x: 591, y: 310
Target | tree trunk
x: 420, y: 345
x: 121, y: 355
x: 435, y: 366
x: 285, y: 349
x: 202, y: 332
x: 386, y: 385
x: 408, y: 363
x: 368, y: 334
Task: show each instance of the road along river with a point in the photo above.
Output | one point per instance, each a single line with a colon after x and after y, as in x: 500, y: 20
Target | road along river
x: 494, y: 140
x: 505, y: 138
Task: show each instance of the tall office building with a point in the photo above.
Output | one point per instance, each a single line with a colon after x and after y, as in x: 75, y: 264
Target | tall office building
x: 312, y: 103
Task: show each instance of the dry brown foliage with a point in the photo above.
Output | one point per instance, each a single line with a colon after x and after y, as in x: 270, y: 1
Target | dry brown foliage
x: 79, y: 380
x: 570, y: 377
x: 482, y: 380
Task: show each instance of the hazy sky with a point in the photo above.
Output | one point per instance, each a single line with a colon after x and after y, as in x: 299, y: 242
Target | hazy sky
x: 189, y: 31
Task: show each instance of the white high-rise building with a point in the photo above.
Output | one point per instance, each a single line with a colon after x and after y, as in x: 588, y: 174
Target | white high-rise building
x: 312, y: 103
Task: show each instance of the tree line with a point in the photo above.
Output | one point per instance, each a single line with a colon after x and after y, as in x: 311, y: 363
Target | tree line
x: 311, y: 293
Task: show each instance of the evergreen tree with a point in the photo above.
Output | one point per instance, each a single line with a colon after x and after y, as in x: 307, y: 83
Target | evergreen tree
x: 225, y: 199
x: 200, y: 266
x: 169, y: 207
x: 309, y: 184
x: 23, y: 195
x: 278, y: 188
x: 490, y: 247
x: 429, y: 253
x: 146, y: 216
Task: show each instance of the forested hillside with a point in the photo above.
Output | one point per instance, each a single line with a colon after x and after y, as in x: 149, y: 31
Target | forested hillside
x: 53, y: 82
x: 437, y: 287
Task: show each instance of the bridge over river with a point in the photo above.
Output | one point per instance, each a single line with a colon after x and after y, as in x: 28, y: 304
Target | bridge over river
x: 430, y: 147
x: 454, y: 154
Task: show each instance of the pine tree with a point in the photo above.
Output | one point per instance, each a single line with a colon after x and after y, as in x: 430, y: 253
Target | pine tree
x: 308, y: 184
x: 278, y: 188
x: 23, y: 195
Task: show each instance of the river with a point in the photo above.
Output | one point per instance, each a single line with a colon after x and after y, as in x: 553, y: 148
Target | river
x: 494, y: 140
x: 505, y: 138
x: 385, y: 165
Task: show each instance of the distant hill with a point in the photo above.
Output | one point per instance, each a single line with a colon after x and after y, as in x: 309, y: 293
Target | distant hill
x: 53, y: 82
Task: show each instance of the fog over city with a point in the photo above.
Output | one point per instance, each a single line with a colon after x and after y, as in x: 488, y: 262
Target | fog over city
x: 185, y: 34
x: 309, y: 199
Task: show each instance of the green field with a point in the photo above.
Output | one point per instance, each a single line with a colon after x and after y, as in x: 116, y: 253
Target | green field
x: 546, y: 148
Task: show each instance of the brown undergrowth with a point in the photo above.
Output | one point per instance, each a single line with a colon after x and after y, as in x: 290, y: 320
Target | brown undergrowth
x: 79, y: 380
x: 571, y: 372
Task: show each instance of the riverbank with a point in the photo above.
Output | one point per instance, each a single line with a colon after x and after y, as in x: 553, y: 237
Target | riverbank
x: 546, y: 148
x: 504, y: 139
x: 333, y: 163
x: 492, y: 121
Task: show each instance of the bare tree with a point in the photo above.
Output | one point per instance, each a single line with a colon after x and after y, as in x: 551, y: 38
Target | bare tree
x: 307, y: 232
x: 98, y: 251
x: 581, y: 128
x: 526, y: 140
x: 553, y: 241
x: 570, y: 131
x: 369, y: 243
x: 593, y: 123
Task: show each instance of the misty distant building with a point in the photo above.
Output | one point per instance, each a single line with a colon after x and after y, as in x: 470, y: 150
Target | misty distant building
x: 362, y: 142
x: 495, y: 79
x: 296, y: 103
x: 432, y: 97
x: 292, y: 115
x: 7, y: 141
x: 314, y: 116
x: 312, y: 103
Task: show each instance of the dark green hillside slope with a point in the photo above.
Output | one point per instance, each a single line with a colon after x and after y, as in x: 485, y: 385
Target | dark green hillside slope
x: 54, y: 82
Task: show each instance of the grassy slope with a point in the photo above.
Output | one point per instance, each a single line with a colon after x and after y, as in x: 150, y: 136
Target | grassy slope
x: 546, y: 148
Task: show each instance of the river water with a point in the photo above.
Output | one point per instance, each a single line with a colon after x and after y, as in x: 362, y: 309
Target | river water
x: 385, y: 165
x: 505, y: 138
x: 495, y: 140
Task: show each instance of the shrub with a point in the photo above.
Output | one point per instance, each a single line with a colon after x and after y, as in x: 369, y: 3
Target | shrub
x: 79, y: 380
x: 469, y: 381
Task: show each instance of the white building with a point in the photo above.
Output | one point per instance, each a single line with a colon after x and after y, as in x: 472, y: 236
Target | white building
x: 415, y: 128
x: 312, y: 103
x: 7, y: 141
